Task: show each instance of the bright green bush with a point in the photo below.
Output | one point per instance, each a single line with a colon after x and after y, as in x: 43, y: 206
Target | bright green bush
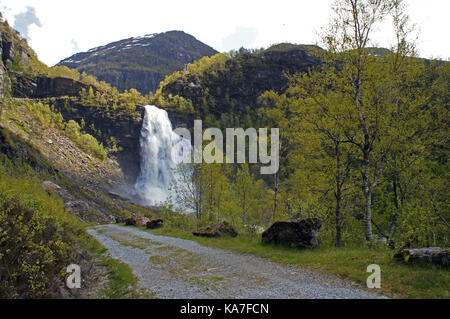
x: 86, y: 141
x: 37, y: 239
x: 46, y: 115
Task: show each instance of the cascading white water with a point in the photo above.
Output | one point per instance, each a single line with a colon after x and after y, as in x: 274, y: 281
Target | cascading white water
x: 161, y: 151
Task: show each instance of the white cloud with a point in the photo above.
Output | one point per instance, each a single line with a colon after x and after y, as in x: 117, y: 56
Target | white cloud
x: 241, y: 37
x: 94, y: 23
x: 24, y: 20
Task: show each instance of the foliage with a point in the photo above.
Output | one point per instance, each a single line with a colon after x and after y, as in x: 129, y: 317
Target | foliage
x: 46, y: 115
x: 86, y: 141
x: 37, y: 237
x: 362, y: 133
x: 224, y: 88
x: 214, y: 193
x: 48, y: 118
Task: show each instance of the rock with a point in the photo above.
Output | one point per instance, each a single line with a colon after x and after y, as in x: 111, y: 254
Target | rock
x: 130, y: 222
x: 54, y: 189
x: 142, y: 221
x: 50, y: 187
x: 155, y: 223
x: 431, y: 255
x: 119, y: 220
x: 222, y: 229
x: 79, y: 207
x: 295, y: 233
x: 116, y: 195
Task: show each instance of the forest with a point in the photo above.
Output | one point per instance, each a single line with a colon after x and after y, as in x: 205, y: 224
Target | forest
x: 364, y: 141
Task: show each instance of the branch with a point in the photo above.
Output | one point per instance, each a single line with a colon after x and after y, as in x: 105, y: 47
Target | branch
x: 379, y: 230
x: 380, y: 171
x: 436, y: 211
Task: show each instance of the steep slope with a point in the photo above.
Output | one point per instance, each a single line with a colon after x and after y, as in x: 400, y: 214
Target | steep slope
x: 15, y: 56
x: 140, y: 62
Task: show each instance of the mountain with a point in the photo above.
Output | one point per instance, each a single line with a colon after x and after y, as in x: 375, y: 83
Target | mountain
x: 140, y: 62
x: 232, y: 83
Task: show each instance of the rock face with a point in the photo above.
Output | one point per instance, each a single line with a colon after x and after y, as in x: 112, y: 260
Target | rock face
x: 43, y: 87
x: 155, y: 223
x: 14, y: 54
x: 53, y: 87
x: 432, y: 255
x: 222, y: 229
x: 140, y: 62
x: 295, y: 233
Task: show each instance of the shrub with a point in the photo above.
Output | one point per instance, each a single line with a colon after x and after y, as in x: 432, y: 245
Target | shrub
x: 36, y: 240
x: 86, y: 141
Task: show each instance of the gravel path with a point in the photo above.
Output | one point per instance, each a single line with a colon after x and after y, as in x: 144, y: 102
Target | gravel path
x: 177, y: 268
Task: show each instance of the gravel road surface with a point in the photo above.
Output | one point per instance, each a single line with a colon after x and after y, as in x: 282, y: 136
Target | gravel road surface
x: 177, y: 268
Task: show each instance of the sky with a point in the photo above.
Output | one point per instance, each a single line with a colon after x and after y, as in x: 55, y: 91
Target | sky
x: 56, y: 29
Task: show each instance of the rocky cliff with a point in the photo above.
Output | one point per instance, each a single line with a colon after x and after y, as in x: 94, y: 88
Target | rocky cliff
x: 15, y: 55
x: 27, y: 86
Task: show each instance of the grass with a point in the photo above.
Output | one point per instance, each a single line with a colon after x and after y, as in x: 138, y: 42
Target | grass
x: 398, y: 280
x: 122, y: 282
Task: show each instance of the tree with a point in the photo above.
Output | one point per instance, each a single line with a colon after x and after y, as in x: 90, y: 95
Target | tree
x: 186, y: 189
x: 316, y: 129
x: 250, y: 197
x: 371, y: 83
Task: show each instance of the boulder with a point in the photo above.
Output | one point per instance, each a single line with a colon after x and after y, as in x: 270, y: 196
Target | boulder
x: 54, y: 189
x: 142, y: 221
x: 78, y: 207
x: 50, y: 187
x: 119, y: 220
x: 155, y: 223
x: 130, y: 222
x: 295, y: 233
x: 431, y: 255
x: 222, y: 229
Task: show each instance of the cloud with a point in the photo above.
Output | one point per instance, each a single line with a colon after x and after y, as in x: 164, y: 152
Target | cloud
x: 3, y: 9
x: 75, y: 46
x: 241, y: 37
x: 24, y: 20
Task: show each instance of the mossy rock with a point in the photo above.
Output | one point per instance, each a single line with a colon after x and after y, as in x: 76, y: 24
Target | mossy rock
x: 222, y: 229
x: 431, y: 255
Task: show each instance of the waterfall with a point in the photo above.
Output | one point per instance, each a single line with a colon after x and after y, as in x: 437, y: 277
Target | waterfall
x: 161, y: 150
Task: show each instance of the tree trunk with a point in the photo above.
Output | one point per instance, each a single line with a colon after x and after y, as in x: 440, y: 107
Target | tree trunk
x: 338, y: 195
x: 397, y: 211
x: 275, y: 200
x: 338, y: 220
x: 368, y: 198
